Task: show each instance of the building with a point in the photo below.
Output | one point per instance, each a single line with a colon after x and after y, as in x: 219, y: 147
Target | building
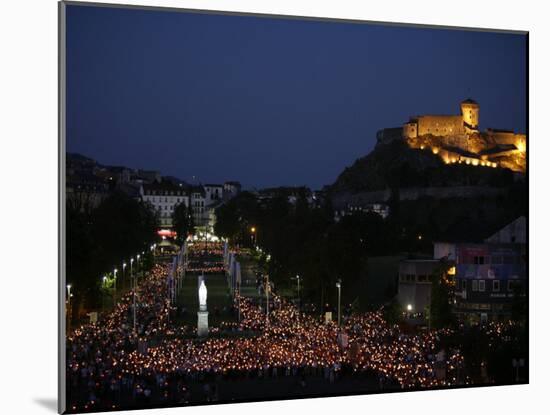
x: 387, y: 135
x: 201, y: 200
x: 213, y: 193
x: 380, y: 209
x: 445, y: 125
x: 457, y: 139
x: 164, y: 197
x: 231, y: 189
x: 197, y: 200
x: 415, y: 283
x: 515, y: 232
x: 85, y: 191
x: 489, y: 278
x: 148, y: 176
x: 445, y: 250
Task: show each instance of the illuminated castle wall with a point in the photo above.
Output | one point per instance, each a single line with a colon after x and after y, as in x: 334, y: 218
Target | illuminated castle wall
x: 445, y: 125
x: 457, y: 139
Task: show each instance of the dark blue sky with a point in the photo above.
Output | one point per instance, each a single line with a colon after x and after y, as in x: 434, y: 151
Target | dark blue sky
x: 266, y: 101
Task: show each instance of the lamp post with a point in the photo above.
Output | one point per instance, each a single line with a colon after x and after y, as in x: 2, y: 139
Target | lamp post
x: 253, y: 235
x: 142, y: 260
x: 137, y: 262
x: 69, y: 307
x: 339, y: 286
x: 123, y: 274
x: 239, y: 306
x: 267, y: 289
x: 104, y: 279
x: 134, y: 308
x: 409, y: 310
x: 114, y: 284
x: 299, y: 295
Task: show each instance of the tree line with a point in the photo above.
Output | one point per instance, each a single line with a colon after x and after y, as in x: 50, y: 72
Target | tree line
x: 305, y: 239
x: 100, y: 238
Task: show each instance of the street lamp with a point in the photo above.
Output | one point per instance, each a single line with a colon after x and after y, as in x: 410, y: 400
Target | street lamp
x: 409, y: 310
x: 339, y: 286
x: 104, y: 279
x: 134, y: 301
x: 123, y: 269
x: 68, y: 307
x: 267, y: 289
x: 253, y: 235
x: 114, y: 284
x: 299, y: 296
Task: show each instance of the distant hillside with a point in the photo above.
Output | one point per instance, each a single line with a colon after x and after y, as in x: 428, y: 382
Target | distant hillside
x: 395, y: 165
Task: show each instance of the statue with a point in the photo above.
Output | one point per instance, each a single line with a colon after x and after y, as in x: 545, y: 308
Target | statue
x: 202, y: 295
x: 202, y: 314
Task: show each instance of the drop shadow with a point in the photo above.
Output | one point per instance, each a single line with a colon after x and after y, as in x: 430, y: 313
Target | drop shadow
x: 48, y: 403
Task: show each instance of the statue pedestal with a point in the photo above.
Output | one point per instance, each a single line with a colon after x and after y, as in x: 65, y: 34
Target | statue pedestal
x: 202, y: 323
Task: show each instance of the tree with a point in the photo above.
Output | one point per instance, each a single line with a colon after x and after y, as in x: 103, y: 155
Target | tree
x: 100, y: 240
x: 227, y: 221
x: 235, y: 217
x: 393, y: 312
x: 183, y: 222
x: 441, y: 314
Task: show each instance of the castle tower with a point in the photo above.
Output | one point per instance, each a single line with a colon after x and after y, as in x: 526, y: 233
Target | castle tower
x: 470, y: 114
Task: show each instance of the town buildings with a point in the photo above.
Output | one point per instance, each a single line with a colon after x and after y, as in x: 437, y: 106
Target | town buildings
x: 381, y: 209
x: 89, y: 183
x: 201, y: 200
x: 164, y: 197
x: 488, y: 278
x: 231, y: 189
x: 415, y: 284
x: 491, y: 277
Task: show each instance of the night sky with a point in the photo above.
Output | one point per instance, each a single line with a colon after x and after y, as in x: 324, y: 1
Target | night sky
x: 265, y: 101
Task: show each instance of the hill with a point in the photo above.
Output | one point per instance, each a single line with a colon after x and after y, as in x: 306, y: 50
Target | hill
x: 396, y: 165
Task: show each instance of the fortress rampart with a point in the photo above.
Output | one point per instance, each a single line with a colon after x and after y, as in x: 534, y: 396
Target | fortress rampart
x: 457, y: 139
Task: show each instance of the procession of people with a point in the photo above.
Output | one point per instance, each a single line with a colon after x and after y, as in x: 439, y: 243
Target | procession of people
x: 111, y: 365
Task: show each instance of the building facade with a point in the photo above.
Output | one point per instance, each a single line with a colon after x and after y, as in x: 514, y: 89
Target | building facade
x: 213, y: 193
x: 381, y: 209
x: 490, y: 278
x: 231, y: 189
x: 164, y: 197
x: 415, y: 284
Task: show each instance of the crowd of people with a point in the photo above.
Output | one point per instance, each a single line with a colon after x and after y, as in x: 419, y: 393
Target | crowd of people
x: 205, y: 257
x: 112, y: 365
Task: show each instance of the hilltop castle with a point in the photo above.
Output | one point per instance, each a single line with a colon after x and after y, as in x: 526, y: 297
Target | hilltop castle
x: 457, y: 139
